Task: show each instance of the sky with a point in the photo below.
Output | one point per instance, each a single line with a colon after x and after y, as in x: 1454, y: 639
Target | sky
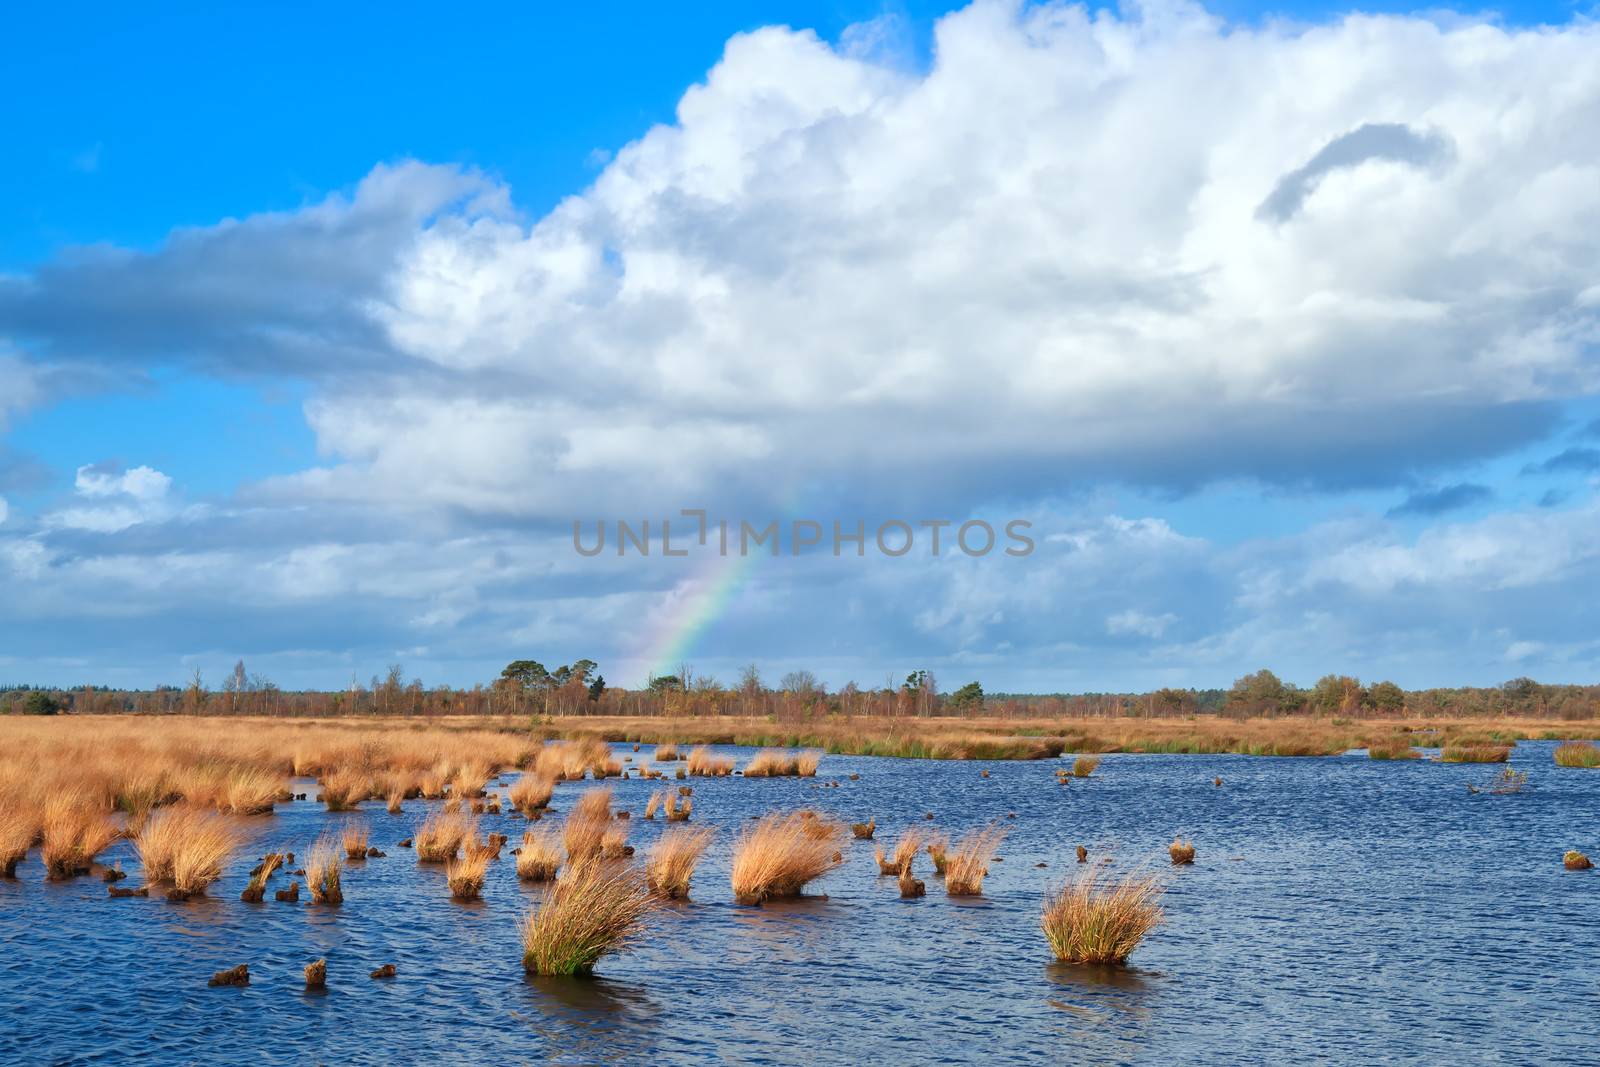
x: 1277, y: 326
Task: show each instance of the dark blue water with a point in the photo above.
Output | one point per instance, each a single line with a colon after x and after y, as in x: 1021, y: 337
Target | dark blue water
x: 1340, y: 910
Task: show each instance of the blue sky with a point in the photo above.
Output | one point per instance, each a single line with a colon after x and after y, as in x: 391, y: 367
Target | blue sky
x: 317, y: 331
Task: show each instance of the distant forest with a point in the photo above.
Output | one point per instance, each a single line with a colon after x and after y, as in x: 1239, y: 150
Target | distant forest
x: 526, y: 687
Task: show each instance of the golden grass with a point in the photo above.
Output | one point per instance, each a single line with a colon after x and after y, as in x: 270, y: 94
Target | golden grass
x: 1577, y: 754
x: 539, y: 856
x: 614, y: 840
x: 1182, y: 852
x: 770, y: 763
x: 592, y: 909
x: 968, y: 863
x: 702, y: 763
x: 74, y: 833
x: 939, y: 851
x: 324, y: 868
x: 863, y: 830
x: 344, y: 788
x: 807, y: 762
x: 1392, y: 750
x: 673, y: 860
x: 532, y: 792
x: 653, y: 805
x: 207, y: 844
x: 1576, y: 861
x: 677, y: 812
x: 355, y: 839
x: 317, y: 974
x: 18, y: 828
x: 441, y: 836
x: 1084, y: 766
x: 252, y: 792
x: 905, y: 851
x: 778, y: 856
x: 911, y: 886
x: 1086, y: 922
x: 466, y: 876
x: 1475, y: 753
x: 584, y: 833
x: 666, y: 753
x: 256, y: 891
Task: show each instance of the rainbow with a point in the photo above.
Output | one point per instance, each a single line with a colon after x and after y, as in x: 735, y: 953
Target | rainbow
x: 692, y: 606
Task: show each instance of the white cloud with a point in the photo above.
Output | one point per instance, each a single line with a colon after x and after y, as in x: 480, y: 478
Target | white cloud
x: 118, y: 500
x: 1139, y: 624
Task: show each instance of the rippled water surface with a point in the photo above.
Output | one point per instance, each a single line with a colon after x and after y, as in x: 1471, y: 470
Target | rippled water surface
x: 1339, y: 910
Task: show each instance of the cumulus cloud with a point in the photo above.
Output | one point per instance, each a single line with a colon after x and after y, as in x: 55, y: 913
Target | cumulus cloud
x: 1040, y: 254
x: 116, y: 499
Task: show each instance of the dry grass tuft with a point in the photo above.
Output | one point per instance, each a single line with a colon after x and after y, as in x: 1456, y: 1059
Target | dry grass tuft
x: 539, y: 856
x: 1084, y: 766
x: 18, y: 828
x: 666, y: 753
x: 1089, y: 923
x: 905, y: 851
x: 654, y: 803
x: 1576, y: 861
x: 1182, y: 852
x: 204, y: 846
x: 939, y: 851
x: 344, y: 788
x: 702, y: 763
x: 771, y: 763
x: 256, y: 891
x: 1475, y: 754
x: 678, y: 812
x: 863, y: 830
x: 778, y: 856
x: 593, y: 909
x: 807, y: 762
x: 584, y: 833
x: 911, y: 887
x: 673, y: 859
x: 317, y: 975
x: 75, y: 831
x: 323, y: 870
x: 251, y: 792
x: 440, y: 837
x: 1577, y: 754
x: 1390, y: 750
x: 466, y: 876
x: 532, y: 792
x: 355, y: 839
x: 967, y: 865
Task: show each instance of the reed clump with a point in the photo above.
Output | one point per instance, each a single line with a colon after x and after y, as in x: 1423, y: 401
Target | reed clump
x: 584, y: 832
x: 256, y: 891
x: 593, y: 909
x: 1392, y: 750
x: 778, y: 856
x: 863, y: 830
x: 532, y: 792
x: 905, y: 851
x: 939, y: 851
x: 703, y: 763
x: 673, y: 860
x: 1084, y: 766
x: 1577, y: 754
x: 199, y: 855
x: 771, y: 763
x: 441, y: 835
x: 344, y: 788
x: 74, y: 832
x: 1086, y: 922
x: 911, y: 886
x: 676, y: 811
x: 539, y: 856
x: 653, y: 805
x: 666, y: 753
x: 466, y: 876
x: 18, y: 829
x: 1576, y: 861
x: 968, y: 864
x: 807, y: 762
x: 324, y: 869
x: 251, y: 792
x: 317, y: 975
x: 356, y: 839
x: 1182, y: 852
x: 1475, y: 754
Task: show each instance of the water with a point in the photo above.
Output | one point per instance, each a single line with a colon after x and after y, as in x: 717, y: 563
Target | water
x: 1340, y: 910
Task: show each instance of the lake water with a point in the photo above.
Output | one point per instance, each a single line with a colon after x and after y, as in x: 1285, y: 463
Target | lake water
x: 1340, y: 910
